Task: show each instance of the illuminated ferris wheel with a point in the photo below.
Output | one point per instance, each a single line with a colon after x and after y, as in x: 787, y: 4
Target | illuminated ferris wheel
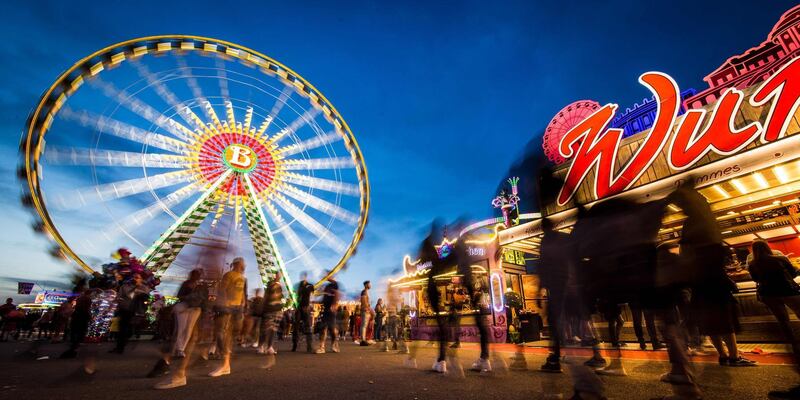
x: 155, y: 141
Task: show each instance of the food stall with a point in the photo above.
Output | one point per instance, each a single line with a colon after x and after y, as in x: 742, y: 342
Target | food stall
x: 487, y: 269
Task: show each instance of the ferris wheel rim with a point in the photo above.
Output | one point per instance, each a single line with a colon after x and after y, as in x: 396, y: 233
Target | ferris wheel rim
x: 37, y: 126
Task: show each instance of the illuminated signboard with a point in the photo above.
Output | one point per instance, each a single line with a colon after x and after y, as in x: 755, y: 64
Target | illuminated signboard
x: 476, y: 251
x: 52, y: 297
x: 593, y: 147
x: 515, y: 257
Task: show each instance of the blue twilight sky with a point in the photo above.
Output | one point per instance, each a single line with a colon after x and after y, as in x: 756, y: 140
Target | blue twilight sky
x: 442, y: 96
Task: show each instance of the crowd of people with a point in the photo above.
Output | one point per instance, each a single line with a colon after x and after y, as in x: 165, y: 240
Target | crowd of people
x: 683, y: 285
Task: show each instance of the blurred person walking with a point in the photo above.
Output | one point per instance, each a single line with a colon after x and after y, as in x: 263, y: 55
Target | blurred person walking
x: 191, y: 296
x: 774, y: 275
x: 256, y: 311
x: 713, y: 303
x: 330, y: 304
x: 131, y: 303
x: 273, y: 306
x: 231, y: 302
x: 380, y: 313
x: 302, y: 314
x: 366, y: 313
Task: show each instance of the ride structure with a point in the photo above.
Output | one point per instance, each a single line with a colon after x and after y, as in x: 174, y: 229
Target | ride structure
x: 176, y: 133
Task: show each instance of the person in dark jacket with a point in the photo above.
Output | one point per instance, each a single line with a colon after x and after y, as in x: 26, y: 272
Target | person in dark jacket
x: 302, y: 314
x: 713, y: 303
x: 273, y: 304
x: 777, y: 289
x: 130, y: 299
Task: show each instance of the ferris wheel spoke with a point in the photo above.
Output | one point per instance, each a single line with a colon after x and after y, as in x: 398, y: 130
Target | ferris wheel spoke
x: 291, y: 164
x: 123, y: 130
x: 299, y: 248
x: 167, y: 95
x: 310, y: 224
x: 191, y: 82
x: 222, y: 79
x: 298, y: 123
x: 315, y: 202
x: 115, y: 190
x: 309, y: 144
x: 145, y: 111
x: 112, y: 158
x: 281, y: 101
x: 147, y: 214
x: 322, y: 184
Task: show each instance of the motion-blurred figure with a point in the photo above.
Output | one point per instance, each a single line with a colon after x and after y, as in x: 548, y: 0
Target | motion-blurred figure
x: 366, y: 313
x: 330, y: 304
x: 302, y: 314
x: 775, y: 275
x: 231, y: 301
x: 713, y: 304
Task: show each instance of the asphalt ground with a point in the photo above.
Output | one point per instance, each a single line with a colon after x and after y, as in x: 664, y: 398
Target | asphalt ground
x: 355, y: 373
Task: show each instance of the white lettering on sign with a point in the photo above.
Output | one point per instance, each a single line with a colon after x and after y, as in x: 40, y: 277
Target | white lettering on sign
x: 240, y: 156
x: 476, y: 251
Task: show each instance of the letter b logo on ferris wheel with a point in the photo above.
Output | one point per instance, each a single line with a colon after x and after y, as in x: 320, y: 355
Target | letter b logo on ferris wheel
x: 239, y: 158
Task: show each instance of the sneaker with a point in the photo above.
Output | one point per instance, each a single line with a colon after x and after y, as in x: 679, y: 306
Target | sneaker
x: 370, y: 341
x: 171, y: 383
x: 552, y: 367
x: 271, y: 351
x: 440, y: 367
x: 356, y: 341
x: 677, y: 379
x: 793, y: 393
x: 659, y: 346
x: 741, y: 362
x: 335, y: 347
x: 254, y: 345
x: 596, y: 362
x: 364, y: 343
x: 320, y: 350
x: 723, y: 361
x: 482, y: 365
x: 261, y: 350
x: 643, y: 345
x: 220, y: 372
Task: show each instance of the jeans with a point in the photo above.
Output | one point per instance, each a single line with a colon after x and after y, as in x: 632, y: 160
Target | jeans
x: 185, y: 320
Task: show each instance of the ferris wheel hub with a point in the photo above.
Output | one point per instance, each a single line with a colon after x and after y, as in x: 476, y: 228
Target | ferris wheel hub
x: 240, y: 158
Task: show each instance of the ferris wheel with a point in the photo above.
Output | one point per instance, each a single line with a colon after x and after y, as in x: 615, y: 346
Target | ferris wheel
x: 562, y: 122
x: 157, y: 141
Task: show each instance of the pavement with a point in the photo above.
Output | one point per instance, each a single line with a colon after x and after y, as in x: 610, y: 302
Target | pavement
x: 361, y: 373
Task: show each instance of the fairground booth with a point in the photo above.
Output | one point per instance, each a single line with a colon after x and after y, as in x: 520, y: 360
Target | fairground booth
x: 502, y: 274
x: 737, y: 139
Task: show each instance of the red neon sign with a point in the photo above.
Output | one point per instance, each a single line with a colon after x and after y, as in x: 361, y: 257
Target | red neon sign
x: 591, y: 143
